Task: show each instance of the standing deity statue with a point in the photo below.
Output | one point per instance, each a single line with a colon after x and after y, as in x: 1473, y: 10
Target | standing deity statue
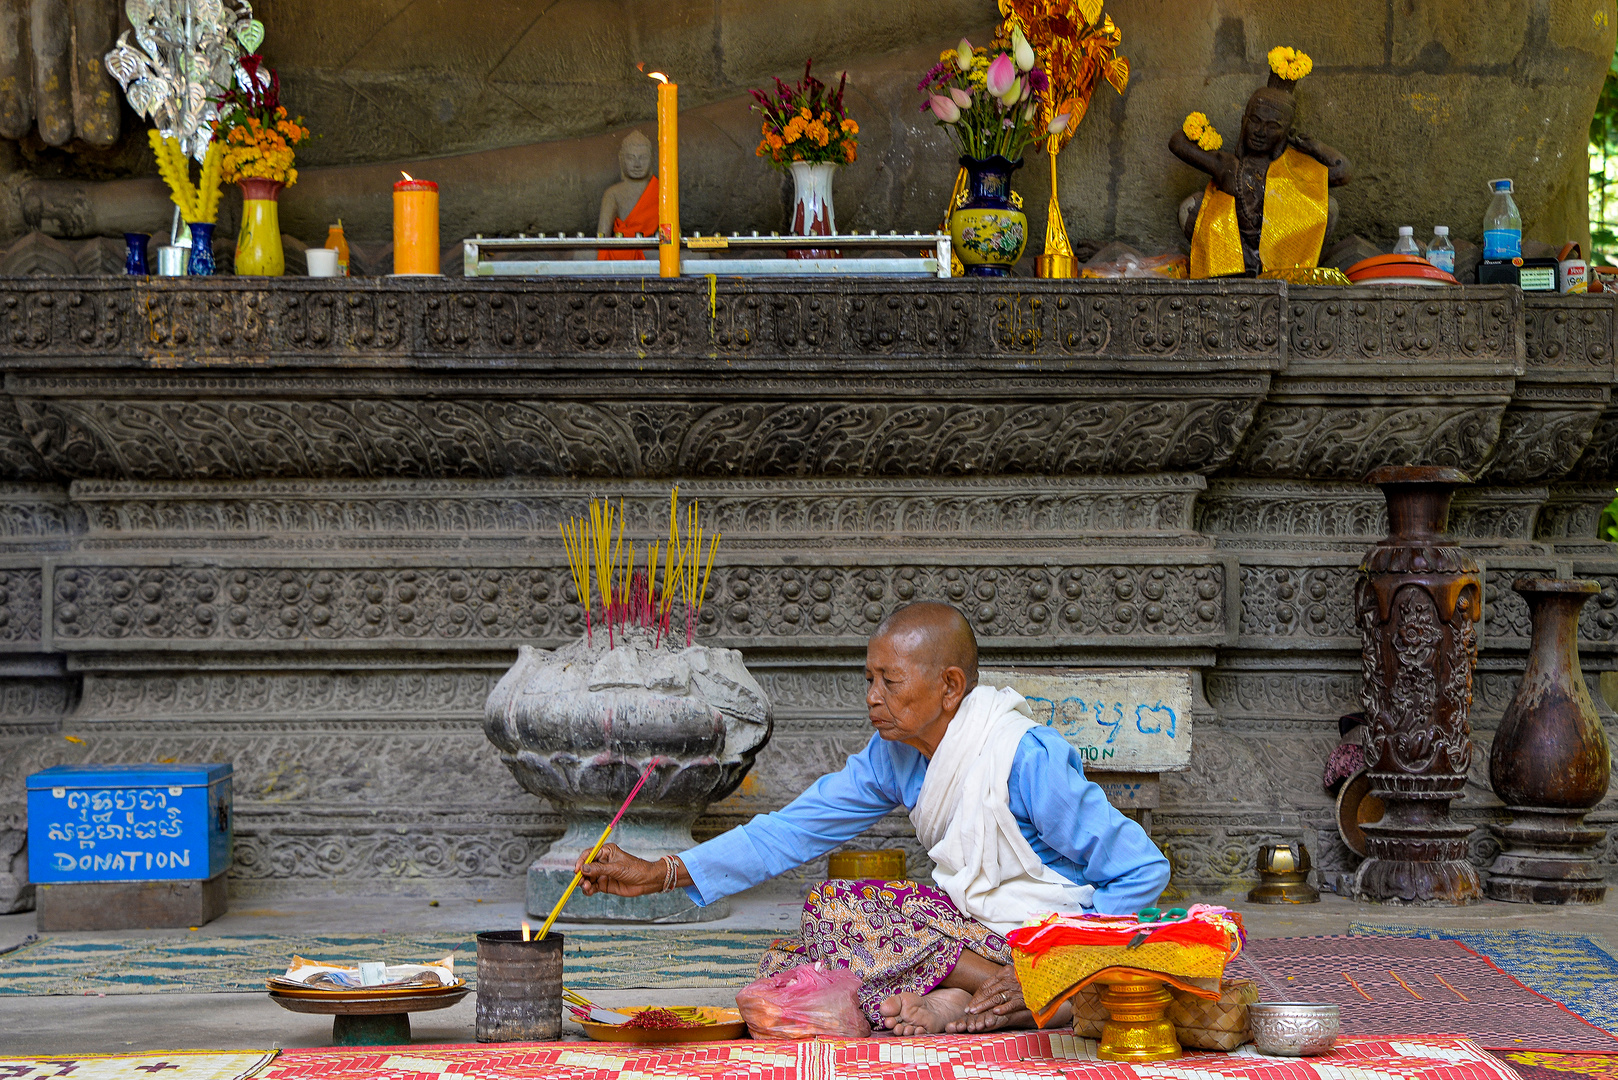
x: 1266, y: 207
x: 629, y: 207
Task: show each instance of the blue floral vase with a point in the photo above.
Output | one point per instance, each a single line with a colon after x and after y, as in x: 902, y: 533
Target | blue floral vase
x: 201, y: 262
x: 988, y: 231
x: 135, y: 256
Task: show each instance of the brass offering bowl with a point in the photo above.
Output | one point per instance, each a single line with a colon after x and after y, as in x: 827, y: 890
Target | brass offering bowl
x: 1293, y: 1028
x: 1138, y: 1028
x: 1283, y: 873
x: 886, y: 865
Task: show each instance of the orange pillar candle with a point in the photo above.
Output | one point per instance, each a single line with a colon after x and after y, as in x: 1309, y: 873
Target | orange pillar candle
x: 415, y: 226
x: 668, y: 176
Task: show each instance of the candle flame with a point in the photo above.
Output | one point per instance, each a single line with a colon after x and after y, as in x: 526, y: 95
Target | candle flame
x: 658, y: 75
x: 406, y: 175
x: 526, y: 931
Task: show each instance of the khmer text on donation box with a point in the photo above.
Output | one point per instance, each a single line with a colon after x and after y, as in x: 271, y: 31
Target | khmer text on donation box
x: 128, y: 823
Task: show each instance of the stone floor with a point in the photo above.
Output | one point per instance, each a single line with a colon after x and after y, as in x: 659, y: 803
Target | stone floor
x: 130, y: 1022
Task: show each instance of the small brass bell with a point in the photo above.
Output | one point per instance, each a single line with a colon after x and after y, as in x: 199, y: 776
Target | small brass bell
x: 1283, y: 876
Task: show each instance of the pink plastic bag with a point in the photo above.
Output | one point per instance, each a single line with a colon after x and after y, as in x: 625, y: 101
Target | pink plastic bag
x: 802, y: 1002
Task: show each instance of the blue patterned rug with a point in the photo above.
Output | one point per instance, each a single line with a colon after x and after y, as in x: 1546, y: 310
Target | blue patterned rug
x: 591, y: 960
x: 1574, y: 969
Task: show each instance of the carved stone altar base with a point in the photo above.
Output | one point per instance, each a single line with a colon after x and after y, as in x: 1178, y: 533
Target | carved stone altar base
x: 1418, y: 602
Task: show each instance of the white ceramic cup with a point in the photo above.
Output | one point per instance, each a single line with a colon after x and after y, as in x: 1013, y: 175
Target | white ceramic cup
x: 322, y: 262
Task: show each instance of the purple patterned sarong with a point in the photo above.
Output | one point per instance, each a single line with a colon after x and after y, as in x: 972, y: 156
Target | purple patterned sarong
x: 897, y: 936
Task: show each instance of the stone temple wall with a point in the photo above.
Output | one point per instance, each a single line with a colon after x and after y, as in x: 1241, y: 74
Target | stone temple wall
x: 302, y: 525
x: 517, y: 110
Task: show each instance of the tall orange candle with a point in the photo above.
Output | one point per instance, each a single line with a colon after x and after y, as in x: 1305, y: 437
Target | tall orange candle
x: 415, y: 226
x: 668, y: 176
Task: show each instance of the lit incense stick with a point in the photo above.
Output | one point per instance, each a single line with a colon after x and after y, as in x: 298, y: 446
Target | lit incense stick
x: 578, y: 877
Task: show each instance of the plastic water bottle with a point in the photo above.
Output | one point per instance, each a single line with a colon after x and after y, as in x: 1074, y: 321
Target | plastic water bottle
x: 1441, y: 253
x: 1502, y: 224
x: 1407, y: 242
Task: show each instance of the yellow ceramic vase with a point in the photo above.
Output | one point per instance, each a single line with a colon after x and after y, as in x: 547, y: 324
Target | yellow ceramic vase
x: 258, y: 245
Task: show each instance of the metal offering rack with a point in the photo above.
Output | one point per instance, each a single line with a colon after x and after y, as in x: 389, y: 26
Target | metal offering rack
x: 714, y: 255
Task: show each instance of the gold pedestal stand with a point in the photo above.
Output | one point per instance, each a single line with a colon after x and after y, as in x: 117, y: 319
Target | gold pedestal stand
x: 1139, y: 1028
x: 1058, y: 260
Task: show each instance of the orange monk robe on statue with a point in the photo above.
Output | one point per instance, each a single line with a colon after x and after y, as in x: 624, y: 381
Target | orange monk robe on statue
x: 642, y: 221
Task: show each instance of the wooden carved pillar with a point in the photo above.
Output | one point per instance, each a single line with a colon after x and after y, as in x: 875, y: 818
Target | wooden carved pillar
x: 1418, y: 601
x: 1550, y: 763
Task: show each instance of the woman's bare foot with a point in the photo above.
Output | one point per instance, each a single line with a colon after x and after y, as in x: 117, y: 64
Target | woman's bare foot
x: 977, y: 1023
x: 924, y: 1014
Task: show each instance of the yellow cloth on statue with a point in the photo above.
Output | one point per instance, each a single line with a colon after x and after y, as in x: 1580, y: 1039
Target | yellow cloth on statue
x: 1049, y: 979
x: 1295, y: 207
x: 1216, y: 242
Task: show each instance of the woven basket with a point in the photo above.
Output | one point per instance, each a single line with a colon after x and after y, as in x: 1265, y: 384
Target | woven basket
x: 1213, y: 1025
x: 1199, y: 1024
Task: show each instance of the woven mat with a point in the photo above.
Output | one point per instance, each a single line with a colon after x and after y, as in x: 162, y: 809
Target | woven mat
x: 1391, y: 985
x: 170, y: 1065
x: 1575, y: 969
x: 593, y: 959
x: 1540, y: 1065
x: 1020, y: 1056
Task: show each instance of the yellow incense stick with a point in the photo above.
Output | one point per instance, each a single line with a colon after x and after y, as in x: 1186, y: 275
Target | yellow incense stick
x: 578, y: 877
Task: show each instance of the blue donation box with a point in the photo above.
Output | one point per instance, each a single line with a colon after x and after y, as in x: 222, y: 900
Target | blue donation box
x: 128, y: 823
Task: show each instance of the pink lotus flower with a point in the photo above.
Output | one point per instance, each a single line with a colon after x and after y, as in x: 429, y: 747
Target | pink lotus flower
x: 944, y: 109
x: 1059, y: 123
x: 1002, y: 74
x: 963, y: 98
x: 963, y: 55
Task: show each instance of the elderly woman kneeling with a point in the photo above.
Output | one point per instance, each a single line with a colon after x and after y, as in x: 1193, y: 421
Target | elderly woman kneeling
x: 1000, y: 803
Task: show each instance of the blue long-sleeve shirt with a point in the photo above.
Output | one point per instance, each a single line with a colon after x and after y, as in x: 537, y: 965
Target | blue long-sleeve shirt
x: 1064, y: 817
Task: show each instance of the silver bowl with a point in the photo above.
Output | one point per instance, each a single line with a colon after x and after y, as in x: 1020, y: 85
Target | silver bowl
x: 1293, y: 1028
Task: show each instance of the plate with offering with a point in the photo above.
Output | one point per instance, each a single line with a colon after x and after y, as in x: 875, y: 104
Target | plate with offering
x: 657, y: 1024
x: 369, y: 981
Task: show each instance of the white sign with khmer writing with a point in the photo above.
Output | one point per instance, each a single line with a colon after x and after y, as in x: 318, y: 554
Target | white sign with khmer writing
x: 1119, y: 721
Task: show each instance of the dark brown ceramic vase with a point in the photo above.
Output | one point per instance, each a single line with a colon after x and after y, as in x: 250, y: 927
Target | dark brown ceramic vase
x: 1418, y: 601
x: 1550, y: 763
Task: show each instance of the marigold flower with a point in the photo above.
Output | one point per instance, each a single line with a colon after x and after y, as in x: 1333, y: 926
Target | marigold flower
x: 850, y: 127
x: 1194, y: 126
x: 1289, y: 63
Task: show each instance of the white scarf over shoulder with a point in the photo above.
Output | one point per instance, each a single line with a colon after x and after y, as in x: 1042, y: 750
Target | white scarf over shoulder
x: 963, y: 818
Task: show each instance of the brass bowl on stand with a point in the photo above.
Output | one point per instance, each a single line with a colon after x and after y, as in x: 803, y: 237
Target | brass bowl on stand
x: 1139, y: 1028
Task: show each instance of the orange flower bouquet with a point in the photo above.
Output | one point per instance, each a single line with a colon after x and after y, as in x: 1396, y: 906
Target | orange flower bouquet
x: 807, y: 132
x: 258, y: 136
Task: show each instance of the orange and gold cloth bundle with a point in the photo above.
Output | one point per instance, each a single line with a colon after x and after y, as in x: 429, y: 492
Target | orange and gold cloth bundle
x: 1062, y: 955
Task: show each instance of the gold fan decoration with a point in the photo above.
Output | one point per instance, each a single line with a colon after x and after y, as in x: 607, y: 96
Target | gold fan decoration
x: 1077, y: 44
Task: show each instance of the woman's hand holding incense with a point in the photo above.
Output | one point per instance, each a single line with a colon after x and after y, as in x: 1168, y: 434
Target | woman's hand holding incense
x: 618, y: 873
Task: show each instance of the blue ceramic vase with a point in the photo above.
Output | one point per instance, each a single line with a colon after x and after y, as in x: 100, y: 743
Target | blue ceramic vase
x: 135, y: 257
x: 201, y: 262
x: 988, y: 231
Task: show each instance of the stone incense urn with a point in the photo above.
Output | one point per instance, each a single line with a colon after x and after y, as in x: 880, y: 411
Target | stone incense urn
x: 579, y: 725
x: 1418, y: 602
x: 1550, y: 763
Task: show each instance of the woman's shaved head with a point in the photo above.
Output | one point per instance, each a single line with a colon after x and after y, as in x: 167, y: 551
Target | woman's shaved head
x: 936, y: 636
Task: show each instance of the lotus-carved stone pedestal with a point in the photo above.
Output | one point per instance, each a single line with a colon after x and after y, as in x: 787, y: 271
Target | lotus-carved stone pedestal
x: 1418, y: 602
x: 1550, y: 763
x: 580, y: 724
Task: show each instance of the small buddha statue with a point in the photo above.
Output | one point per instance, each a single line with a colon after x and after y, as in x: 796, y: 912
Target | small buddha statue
x: 1266, y: 207
x: 629, y: 207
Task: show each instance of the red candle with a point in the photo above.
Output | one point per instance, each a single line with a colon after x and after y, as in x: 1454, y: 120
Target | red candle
x: 415, y: 226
